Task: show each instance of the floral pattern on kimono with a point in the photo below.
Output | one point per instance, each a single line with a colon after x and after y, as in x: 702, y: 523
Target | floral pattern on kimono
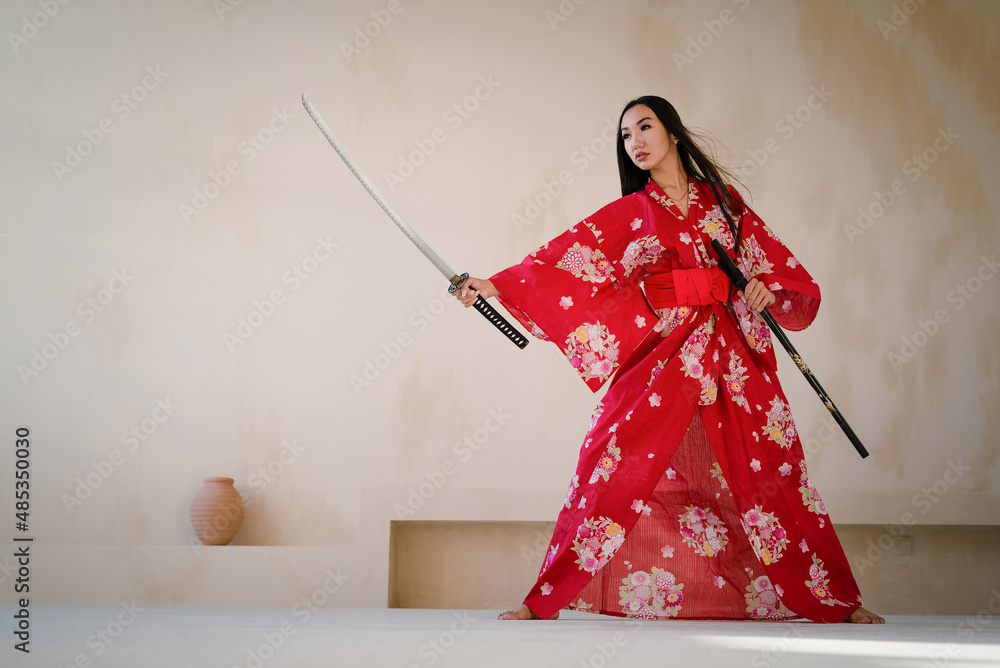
x: 651, y: 595
x: 715, y: 226
x: 596, y: 542
x: 763, y: 600
x: 670, y: 318
x: 767, y: 537
x: 693, y: 356
x: 586, y: 263
x: 819, y: 584
x: 608, y: 463
x: 592, y: 350
x: 810, y: 496
x: 736, y: 381
x: 640, y: 252
x: 571, y: 493
x: 703, y: 531
x: 780, y: 426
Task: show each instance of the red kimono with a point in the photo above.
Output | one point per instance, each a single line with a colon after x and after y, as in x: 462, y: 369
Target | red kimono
x: 691, y: 497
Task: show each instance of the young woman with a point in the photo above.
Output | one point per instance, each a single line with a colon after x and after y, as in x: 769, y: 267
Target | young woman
x: 691, y: 497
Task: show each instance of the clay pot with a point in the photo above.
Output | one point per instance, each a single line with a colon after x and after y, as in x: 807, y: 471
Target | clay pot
x: 217, y: 511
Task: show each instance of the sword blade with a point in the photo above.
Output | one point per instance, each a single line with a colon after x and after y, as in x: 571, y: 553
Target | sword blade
x: 377, y: 196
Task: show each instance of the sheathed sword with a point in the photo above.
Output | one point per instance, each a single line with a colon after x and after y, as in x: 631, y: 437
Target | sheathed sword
x: 456, y: 280
x: 739, y: 280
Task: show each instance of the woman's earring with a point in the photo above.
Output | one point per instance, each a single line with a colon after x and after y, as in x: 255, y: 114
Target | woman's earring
x: 675, y: 140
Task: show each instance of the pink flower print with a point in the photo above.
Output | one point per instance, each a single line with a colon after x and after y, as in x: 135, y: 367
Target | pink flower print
x: 589, y: 563
x: 720, y: 582
x: 665, y: 580
x: 571, y: 492
x: 785, y: 469
x: 628, y: 564
x: 673, y: 598
x: 786, y: 305
x: 792, y: 262
x: 640, y: 507
x: 822, y: 593
x: 640, y: 321
x: 703, y: 531
x: 636, y: 223
x: 582, y: 504
x: 566, y: 302
x: 576, y: 258
x: 803, y: 546
x: 774, y: 287
x: 766, y: 535
x: 685, y: 238
x: 547, y: 589
x: 668, y: 552
x: 755, y: 464
x: 777, y: 588
x: 654, y: 399
x: 608, y: 462
x: 671, y: 474
x: 641, y: 578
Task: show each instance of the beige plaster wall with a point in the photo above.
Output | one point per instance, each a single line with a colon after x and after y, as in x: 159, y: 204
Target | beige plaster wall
x: 121, y: 305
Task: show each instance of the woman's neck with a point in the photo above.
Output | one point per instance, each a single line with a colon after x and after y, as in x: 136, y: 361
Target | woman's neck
x: 671, y: 175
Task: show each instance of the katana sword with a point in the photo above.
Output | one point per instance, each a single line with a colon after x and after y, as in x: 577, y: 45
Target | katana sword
x: 456, y: 280
x: 740, y: 281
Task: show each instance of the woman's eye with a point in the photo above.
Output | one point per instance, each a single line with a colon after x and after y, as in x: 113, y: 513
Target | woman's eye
x: 646, y: 127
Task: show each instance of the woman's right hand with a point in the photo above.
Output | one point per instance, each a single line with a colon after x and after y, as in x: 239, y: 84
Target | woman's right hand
x: 473, y: 288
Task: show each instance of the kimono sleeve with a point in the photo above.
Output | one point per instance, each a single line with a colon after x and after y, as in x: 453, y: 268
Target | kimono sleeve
x: 763, y: 256
x: 567, y: 292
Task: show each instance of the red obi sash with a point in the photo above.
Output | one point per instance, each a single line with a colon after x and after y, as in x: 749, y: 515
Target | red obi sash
x: 686, y: 287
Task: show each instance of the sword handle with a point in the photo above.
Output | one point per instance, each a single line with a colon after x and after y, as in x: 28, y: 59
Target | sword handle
x: 491, y: 314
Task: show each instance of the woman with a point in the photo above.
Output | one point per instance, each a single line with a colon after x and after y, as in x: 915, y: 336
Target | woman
x: 691, y: 497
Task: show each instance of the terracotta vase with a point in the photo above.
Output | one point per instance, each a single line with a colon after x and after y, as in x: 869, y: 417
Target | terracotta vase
x: 217, y: 511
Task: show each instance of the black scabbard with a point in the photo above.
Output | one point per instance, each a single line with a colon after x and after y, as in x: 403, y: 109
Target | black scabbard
x: 740, y: 281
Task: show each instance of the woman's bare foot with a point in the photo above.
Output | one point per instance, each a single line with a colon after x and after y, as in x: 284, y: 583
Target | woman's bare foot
x: 522, y: 613
x: 862, y: 616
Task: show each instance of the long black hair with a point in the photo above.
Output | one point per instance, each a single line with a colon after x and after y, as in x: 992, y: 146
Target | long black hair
x: 694, y: 160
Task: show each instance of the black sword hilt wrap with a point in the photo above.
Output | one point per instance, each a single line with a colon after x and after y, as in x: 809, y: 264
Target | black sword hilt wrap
x: 490, y: 313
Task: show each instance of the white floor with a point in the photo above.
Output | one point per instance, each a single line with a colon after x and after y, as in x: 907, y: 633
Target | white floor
x: 188, y: 637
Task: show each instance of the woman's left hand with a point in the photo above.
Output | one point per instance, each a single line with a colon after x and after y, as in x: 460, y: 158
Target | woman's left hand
x: 757, y: 296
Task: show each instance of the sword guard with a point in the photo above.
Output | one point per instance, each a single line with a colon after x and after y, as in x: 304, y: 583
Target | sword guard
x: 457, y: 282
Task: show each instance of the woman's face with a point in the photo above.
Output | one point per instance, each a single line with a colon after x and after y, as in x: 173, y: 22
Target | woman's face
x: 646, y: 140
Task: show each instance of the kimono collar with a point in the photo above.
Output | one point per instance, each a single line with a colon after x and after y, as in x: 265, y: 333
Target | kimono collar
x: 656, y: 192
